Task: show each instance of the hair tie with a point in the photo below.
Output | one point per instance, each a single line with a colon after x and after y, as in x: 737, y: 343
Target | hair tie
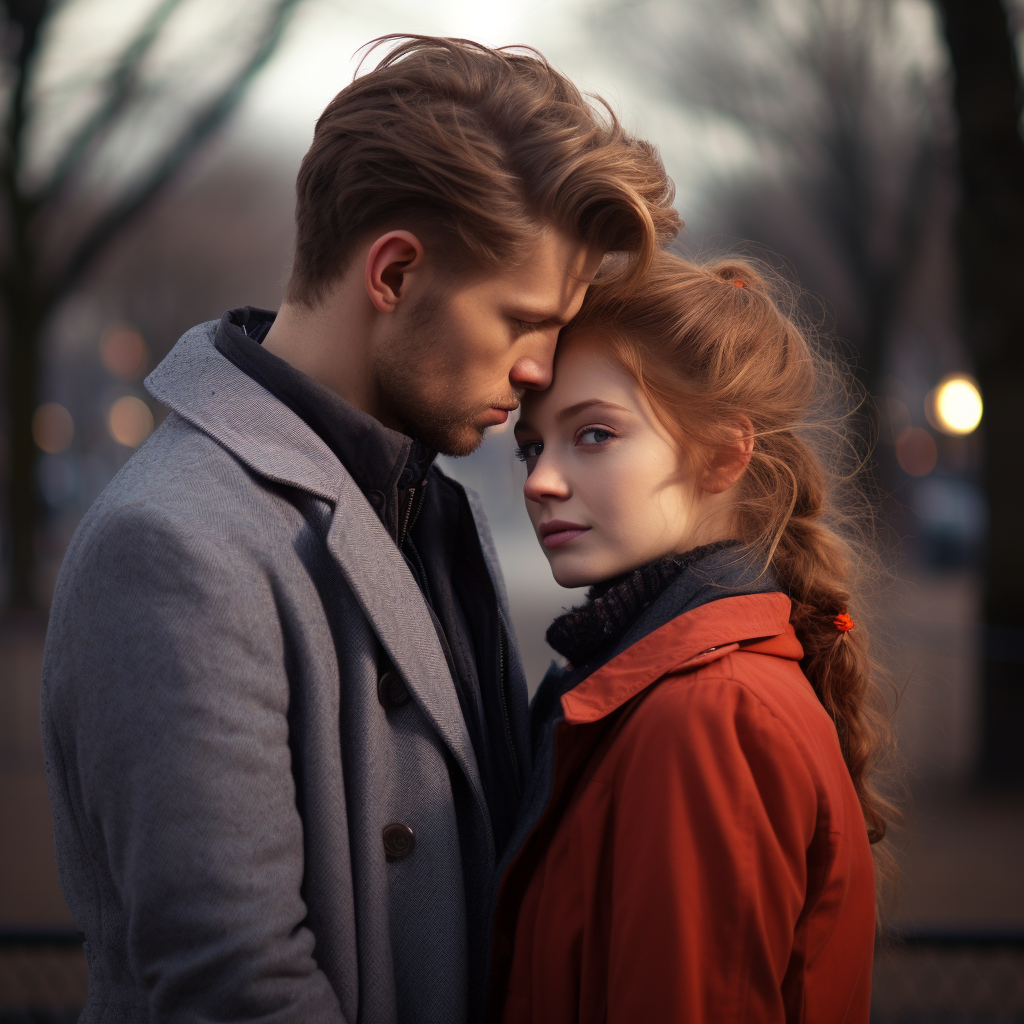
x: 843, y: 622
x: 739, y: 284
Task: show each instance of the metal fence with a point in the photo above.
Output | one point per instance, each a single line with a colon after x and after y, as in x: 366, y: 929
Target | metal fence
x: 919, y: 979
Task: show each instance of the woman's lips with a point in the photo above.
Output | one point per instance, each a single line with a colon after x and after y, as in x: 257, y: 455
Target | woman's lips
x: 558, y: 532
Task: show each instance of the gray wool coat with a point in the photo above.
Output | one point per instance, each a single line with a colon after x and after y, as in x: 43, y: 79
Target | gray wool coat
x: 220, y: 766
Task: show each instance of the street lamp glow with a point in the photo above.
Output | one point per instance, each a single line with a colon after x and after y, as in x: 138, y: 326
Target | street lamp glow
x: 956, y: 405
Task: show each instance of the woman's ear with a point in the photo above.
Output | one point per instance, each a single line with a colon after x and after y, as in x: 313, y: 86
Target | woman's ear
x: 390, y: 259
x: 731, y: 460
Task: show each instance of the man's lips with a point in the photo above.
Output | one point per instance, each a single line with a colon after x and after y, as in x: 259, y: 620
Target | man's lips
x: 558, y: 532
x: 495, y: 416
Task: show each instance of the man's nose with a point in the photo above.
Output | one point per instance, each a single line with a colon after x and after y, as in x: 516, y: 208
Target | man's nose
x: 534, y: 369
x: 546, y: 482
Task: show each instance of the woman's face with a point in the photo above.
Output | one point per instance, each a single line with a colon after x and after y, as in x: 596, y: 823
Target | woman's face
x: 607, y: 489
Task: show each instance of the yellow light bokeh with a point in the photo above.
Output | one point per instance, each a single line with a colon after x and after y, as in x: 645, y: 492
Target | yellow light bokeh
x: 955, y: 406
x: 130, y: 421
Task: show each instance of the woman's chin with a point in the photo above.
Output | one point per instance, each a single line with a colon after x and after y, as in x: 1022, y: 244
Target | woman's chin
x: 572, y: 573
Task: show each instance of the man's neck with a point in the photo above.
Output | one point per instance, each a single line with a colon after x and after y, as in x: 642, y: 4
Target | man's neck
x: 329, y: 343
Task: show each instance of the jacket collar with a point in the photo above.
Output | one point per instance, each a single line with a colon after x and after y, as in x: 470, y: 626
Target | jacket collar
x: 754, y: 621
x: 383, y: 462
x: 214, y: 395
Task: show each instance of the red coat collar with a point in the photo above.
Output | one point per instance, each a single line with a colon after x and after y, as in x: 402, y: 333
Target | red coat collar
x: 757, y: 621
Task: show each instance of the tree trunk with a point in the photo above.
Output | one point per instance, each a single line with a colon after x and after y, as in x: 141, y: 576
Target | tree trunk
x: 24, y: 324
x: 990, y: 237
x: 25, y: 315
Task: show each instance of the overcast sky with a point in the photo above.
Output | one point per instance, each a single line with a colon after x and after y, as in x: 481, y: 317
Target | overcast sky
x: 318, y: 58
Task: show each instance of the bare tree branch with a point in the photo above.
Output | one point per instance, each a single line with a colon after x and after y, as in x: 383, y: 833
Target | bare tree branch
x: 203, y: 126
x: 28, y: 17
x: 120, y: 87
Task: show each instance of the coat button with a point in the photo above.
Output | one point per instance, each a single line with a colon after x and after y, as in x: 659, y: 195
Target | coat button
x: 377, y: 500
x: 398, y: 840
x: 391, y: 690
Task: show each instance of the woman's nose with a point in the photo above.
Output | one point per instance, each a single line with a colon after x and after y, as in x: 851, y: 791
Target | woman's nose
x: 546, y: 482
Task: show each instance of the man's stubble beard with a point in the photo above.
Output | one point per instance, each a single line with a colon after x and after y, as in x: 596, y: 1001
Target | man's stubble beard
x: 421, y: 390
x: 434, y: 418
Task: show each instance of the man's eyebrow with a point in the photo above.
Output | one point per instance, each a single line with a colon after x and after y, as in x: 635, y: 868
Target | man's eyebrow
x: 579, y: 407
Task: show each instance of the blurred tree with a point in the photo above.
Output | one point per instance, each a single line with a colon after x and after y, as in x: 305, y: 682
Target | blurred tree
x: 85, y: 153
x: 830, y: 108
x: 990, y: 237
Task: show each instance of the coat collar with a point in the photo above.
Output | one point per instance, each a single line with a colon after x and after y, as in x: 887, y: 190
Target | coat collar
x: 214, y: 395
x: 755, y: 621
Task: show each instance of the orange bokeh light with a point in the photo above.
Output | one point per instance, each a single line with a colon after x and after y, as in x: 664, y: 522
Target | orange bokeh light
x: 130, y: 421
x: 916, y: 451
x: 53, y: 428
x: 123, y: 352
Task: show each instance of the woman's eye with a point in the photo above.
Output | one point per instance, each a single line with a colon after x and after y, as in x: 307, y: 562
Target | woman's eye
x: 594, y: 435
x: 529, y: 450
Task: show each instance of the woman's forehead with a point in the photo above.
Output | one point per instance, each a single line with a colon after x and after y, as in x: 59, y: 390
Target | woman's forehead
x: 584, y: 375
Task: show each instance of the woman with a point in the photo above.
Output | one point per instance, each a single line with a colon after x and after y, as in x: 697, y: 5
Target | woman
x: 695, y: 843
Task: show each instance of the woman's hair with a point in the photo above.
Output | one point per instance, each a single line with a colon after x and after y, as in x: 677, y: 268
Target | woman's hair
x: 712, y: 345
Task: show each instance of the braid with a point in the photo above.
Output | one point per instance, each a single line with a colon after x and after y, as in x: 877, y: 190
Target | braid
x: 814, y: 565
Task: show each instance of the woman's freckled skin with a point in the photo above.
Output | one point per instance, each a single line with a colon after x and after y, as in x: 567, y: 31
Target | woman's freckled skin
x: 597, y: 457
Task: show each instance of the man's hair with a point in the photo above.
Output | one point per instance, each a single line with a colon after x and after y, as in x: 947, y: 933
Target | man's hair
x: 476, y: 147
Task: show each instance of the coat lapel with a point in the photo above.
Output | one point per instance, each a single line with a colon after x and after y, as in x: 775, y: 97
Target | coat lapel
x: 392, y: 601
x: 213, y: 394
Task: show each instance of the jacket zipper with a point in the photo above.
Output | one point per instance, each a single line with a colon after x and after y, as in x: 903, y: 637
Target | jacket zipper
x: 502, y: 653
x: 415, y: 499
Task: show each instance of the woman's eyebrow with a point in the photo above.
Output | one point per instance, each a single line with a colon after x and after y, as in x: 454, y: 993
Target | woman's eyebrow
x: 579, y: 407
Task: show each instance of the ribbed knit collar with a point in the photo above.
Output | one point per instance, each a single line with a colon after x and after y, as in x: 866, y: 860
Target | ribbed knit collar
x: 613, y: 606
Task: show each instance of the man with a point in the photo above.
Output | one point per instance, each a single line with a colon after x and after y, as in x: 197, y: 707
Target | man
x: 284, y: 719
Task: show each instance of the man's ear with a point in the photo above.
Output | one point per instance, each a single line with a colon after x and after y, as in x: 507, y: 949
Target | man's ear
x: 731, y: 460
x: 390, y: 259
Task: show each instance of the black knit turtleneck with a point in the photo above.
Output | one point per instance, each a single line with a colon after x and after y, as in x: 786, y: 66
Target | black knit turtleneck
x: 614, y: 605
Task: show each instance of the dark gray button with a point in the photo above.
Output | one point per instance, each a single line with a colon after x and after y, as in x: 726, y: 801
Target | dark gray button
x: 398, y: 840
x: 391, y: 690
x: 377, y: 500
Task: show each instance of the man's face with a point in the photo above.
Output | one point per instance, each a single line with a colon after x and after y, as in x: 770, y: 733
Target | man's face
x: 458, y: 356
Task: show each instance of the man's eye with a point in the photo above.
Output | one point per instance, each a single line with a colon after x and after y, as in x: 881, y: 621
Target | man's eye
x: 529, y: 450
x: 523, y: 326
x: 596, y: 435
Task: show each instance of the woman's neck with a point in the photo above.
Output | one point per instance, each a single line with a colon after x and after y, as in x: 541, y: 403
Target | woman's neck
x: 613, y: 605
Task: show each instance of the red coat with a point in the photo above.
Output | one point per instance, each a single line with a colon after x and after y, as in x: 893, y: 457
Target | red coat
x: 703, y: 857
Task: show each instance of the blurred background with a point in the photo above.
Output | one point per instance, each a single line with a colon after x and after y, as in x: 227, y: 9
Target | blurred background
x: 870, y: 148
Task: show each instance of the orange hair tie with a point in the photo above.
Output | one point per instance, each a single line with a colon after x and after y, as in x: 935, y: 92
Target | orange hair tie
x: 739, y: 284
x: 843, y: 622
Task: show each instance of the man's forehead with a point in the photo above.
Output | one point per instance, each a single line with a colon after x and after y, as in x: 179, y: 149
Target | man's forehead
x: 552, y: 274
x: 551, y: 250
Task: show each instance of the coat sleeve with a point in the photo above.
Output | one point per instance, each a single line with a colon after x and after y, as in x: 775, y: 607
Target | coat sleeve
x: 166, y: 688
x: 715, y: 809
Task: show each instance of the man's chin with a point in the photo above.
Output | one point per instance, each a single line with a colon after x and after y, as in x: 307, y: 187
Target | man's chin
x: 464, y: 444
x: 449, y: 439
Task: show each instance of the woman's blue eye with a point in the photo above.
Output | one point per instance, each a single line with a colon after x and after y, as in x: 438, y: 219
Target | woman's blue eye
x: 530, y: 450
x: 598, y: 434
